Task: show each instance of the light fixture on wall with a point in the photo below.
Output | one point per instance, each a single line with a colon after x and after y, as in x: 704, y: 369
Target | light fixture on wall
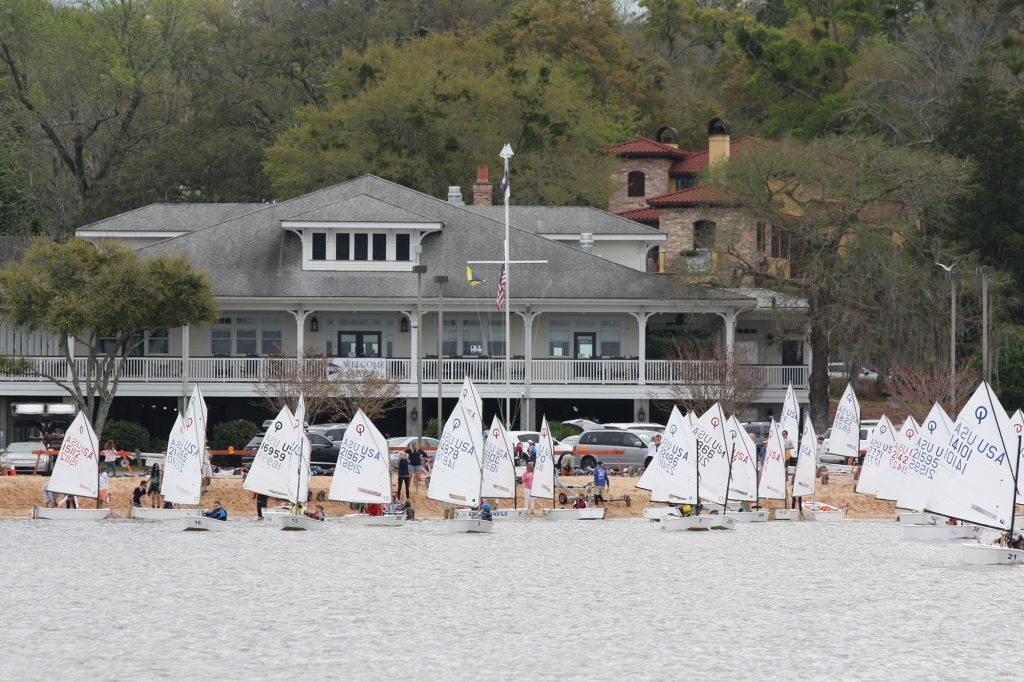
x: 403, y: 326
x: 641, y: 415
x: 414, y: 415
x: 314, y: 324
x: 770, y: 339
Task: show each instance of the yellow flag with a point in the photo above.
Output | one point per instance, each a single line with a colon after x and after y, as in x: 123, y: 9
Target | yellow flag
x: 471, y: 278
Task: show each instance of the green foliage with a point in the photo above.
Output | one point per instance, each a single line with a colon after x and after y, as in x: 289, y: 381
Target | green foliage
x: 560, y: 430
x: 126, y: 435
x: 428, y: 113
x: 236, y: 433
x: 1010, y: 377
x: 432, y: 428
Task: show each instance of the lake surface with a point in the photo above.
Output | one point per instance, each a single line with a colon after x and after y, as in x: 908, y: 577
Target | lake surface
x: 537, y: 600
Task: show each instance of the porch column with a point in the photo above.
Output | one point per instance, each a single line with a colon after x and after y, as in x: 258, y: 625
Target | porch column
x: 300, y: 331
x: 641, y: 342
x: 526, y: 414
x: 184, y: 358
x: 729, y: 326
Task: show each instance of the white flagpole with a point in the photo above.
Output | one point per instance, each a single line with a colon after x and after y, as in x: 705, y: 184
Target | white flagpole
x: 506, y: 154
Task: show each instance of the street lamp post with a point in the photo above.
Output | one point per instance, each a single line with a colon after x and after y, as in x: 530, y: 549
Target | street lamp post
x: 984, y: 271
x: 440, y: 280
x: 952, y: 277
x: 420, y: 270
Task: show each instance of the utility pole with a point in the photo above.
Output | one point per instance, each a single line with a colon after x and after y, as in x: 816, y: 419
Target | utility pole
x: 420, y: 270
x: 440, y: 280
x: 952, y: 277
x: 985, y: 271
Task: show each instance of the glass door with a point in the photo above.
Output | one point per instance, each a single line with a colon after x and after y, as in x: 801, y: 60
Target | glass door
x: 585, y: 345
x: 359, y: 344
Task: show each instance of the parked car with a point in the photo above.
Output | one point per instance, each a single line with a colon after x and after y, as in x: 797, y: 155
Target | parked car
x: 323, y: 451
x: 840, y: 370
x: 636, y: 426
x: 397, y: 445
x: 612, y: 446
x: 19, y: 455
x: 333, y: 432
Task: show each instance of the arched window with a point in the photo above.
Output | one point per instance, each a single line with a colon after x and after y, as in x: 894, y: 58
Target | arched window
x: 699, y: 260
x: 635, y: 184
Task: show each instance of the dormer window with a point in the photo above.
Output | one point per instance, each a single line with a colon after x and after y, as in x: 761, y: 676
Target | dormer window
x: 319, y: 246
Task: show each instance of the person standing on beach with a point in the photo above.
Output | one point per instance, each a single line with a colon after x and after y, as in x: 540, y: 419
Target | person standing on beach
x: 110, y: 458
x: 261, y: 503
x: 601, y: 483
x: 416, y: 457
x: 403, y: 474
x: 104, y: 484
x: 139, y: 493
x: 154, y: 486
x: 528, y: 488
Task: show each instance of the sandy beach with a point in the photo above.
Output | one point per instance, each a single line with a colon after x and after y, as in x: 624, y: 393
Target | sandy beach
x: 19, y: 493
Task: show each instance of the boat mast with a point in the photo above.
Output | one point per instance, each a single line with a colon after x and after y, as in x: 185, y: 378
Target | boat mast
x: 506, y: 154
x: 1013, y: 507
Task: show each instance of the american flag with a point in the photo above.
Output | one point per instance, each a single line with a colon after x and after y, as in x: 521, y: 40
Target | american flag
x: 502, y: 282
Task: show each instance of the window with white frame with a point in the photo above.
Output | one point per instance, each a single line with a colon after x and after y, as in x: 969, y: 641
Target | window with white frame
x: 610, y: 338
x: 158, y: 342
x: 496, y: 338
x: 472, y: 338
x: 559, y: 339
x: 450, y: 338
x: 248, y: 336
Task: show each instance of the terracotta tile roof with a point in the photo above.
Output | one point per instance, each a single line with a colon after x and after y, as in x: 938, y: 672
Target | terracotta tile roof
x: 696, y: 162
x: 641, y: 215
x: 700, y: 195
x: 886, y: 210
x: 644, y: 146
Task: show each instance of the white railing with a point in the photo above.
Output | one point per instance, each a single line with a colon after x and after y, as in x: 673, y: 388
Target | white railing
x: 481, y: 370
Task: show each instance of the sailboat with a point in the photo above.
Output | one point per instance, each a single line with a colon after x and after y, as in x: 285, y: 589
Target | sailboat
x: 976, y: 479
x: 544, y: 471
x: 930, y: 448
x: 363, y: 472
x: 672, y: 475
x: 789, y: 422
x: 844, y: 439
x: 499, y: 474
x: 880, y: 446
x: 76, y: 472
x: 772, y: 485
x: 743, y: 481
x: 806, y: 475
x: 182, y: 479
x: 714, y: 463
x: 891, y: 478
x: 457, y: 474
x: 280, y: 470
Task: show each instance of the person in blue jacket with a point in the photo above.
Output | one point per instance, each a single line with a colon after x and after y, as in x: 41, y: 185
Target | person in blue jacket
x: 217, y: 512
x: 485, y: 512
x: 601, y: 483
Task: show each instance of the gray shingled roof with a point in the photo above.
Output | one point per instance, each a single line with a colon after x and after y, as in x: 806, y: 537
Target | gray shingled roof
x: 251, y: 256
x: 566, y: 220
x: 172, y: 217
x: 359, y: 209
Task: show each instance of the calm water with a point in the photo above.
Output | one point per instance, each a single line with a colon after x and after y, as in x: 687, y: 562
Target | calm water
x: 537, y: 600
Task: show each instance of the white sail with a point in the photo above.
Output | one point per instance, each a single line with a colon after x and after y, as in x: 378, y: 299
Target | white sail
x: 200, y: 412
x: 672, y: 474
x: 499, y: 463
x: 691, y: 421
x: 891, y: 479
x: 773, y: 472
x: 806, y: 462
x: 274, y: 467
x: 182, y: 478
x: 544, y: 467
x: 300, y: 491
x: 881, y: 442
x: 844, y: 439
x: 1017, y: 439
x: 713, y: 454
x: 363, y: 472
x: 76, y: 471
x: 743, y: 482
x: 471, y: 399
x: 458, y: 463
x: 974, y: 479
x: 924, y: 459
x: 790, y: 418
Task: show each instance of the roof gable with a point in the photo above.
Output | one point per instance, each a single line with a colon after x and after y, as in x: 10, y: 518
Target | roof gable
x: 361, y: 208
x: 644, y: 146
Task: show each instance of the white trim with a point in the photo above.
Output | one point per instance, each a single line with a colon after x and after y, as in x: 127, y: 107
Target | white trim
x: 342, y: 225
x: 575, y: 237
x: 129, y: 234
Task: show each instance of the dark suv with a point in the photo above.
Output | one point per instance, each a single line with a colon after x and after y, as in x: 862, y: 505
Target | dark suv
x: 611, y: 446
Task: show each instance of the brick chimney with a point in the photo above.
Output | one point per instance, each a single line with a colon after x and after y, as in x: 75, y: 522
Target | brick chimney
x: 719, y: 132
x: 482, y: 189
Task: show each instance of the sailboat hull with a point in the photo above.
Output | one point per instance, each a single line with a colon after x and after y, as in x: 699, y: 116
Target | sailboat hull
x: 819, y: 511
x: 675, y: 523
x: 919, y: 518
x: 152, y: 514
x: 787, y: 515
x: 496, y: 514
x: 928, y: 531
x: 723, y: 522
x: 658, y: 513
x: 367, y: 520
x: 63, y: 514
x: 573, y: 514
x: 991, y: 555
x: 469, y: 526
x: 750, y: 516
x: 202, y: 523
x: 291, y: 522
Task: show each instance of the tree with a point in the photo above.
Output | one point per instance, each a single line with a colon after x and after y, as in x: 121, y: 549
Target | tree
x: 707, y: 375
x: 850, y: 210
x: 428, y: 113
x: 105, y: 299
x: 362, y: 389
x: 917, y: 389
